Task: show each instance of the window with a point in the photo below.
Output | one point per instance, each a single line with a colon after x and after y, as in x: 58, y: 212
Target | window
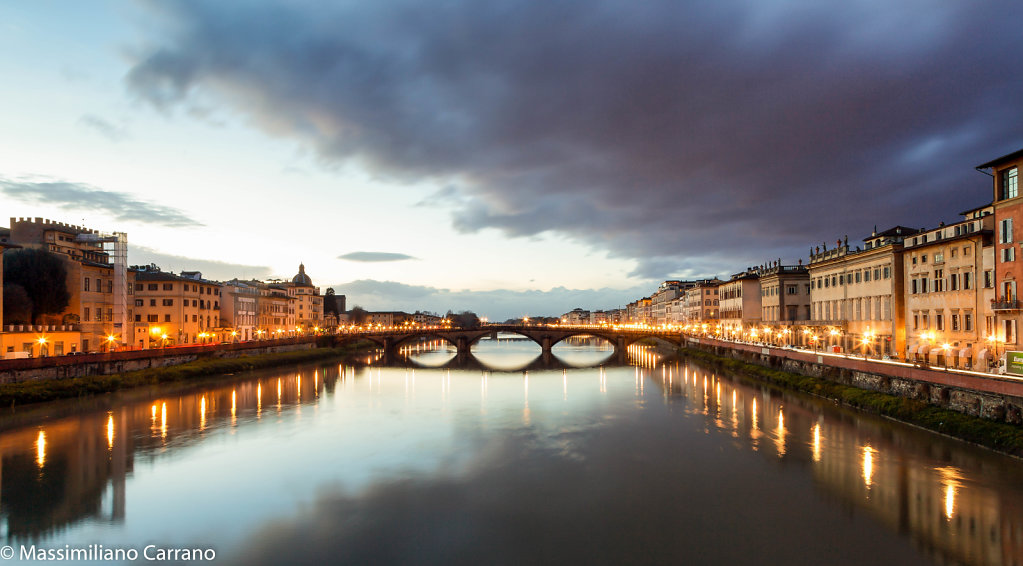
x: 923, y: 258
x: 939, y: 280
x: 153, y: 287
x: 1005, y: 231
x: 168, y: 302
x: 916, y: 321
x: 955, y: 322
x: 966, y: 250
x: 153, y: 318
x: 166, y: 318
x: 86, y: 283
x: 939, y: 257
x: 168, y: 286
x: 954, y: 251
x: 1010, y: 331
x: 139, y: 286
x: 1009, y: 189
x: 858, y: 276
x: 989, y: 280
x: 913, y: 287
x: 968, y: 322
x: 85, y: 314
x: 939, y: 321
x: 138, y: 318
x: 953, y: 282
x: 194, y: 318
x: 139, y: 302
x: 792, y: 289
x: 914, y: 260
x: 110, y: 286
x: 1008, y: 254
x: 152, y: 302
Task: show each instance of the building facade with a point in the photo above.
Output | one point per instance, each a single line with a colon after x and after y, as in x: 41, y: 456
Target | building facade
x: 949, y: 289
x: 1008, y: 265
x: 174, y: 309
x: 740, y: 306
x: 98, y: 280
x: 856, y: 295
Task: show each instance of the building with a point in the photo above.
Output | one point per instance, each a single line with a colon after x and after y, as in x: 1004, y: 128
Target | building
x: 740, y: 308
x: 174, y: 309
x: 276, y: 311
x: 576, y: 316
x: 98, y: 280
x: 701, y: 302
x: 239, y: 309
x: 949, y: 288
x: 784, y: 295
x: 857, y: 295
x: 1008, y: 271
x: 666, y: 292
x: 308, y: 304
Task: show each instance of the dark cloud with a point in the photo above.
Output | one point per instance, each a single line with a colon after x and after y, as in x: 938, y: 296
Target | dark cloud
x: 707, y: 136
x: 79, y: 197
x: 497, y: 304
x: 375, y: 256
x: 215, y: 270
x: 105, y: 128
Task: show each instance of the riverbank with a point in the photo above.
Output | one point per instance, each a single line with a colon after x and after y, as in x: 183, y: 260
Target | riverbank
x: 41, y: 391
x: 1002, y: 437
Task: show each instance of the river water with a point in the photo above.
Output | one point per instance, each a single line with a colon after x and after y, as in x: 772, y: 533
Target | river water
x: 505, y: 458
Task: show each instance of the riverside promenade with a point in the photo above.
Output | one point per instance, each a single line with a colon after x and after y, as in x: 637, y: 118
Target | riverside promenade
x: 991, y: 396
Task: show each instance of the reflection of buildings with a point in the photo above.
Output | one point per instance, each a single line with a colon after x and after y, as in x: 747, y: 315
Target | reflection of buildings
x: 914, y: 483
x: 58, y: 475
x: 73, y: 469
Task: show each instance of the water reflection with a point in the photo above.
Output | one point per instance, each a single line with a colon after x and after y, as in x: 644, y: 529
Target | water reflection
x: 564, y: 447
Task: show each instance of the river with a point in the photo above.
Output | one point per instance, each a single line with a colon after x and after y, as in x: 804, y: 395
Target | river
x: 504, y: 458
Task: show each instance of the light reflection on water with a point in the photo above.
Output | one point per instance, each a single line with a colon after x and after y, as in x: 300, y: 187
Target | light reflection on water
x: 654, y: 462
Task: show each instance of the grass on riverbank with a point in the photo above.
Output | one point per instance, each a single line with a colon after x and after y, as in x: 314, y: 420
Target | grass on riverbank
x: 1002, y: 437
x: 38, y: 391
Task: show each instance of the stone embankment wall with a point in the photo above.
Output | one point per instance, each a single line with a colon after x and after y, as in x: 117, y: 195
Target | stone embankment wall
x: 993, y: 397
x: 63, y: 367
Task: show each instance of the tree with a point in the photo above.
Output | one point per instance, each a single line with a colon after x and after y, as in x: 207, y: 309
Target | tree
x: 357, y: 315
x: 43, y: 275
x: 17, y: 305
x: 330, y: 303
x: 464, y: 319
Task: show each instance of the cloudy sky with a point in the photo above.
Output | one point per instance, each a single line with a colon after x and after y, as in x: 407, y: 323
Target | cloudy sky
x: 508, y: 156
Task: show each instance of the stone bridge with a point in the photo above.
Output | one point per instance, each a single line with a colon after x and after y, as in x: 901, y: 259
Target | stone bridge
x: 545, y: 336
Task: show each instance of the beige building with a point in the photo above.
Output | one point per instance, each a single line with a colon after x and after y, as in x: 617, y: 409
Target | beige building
x: 308, y: 304
x: 740, y: 304
x: 666, y: 292
x: 239, y: 309
x: 949, y: 289
x: 701, y: 303
x: 857, y: 295
x: 174, y: 309
x: 784, y: 295
x: 276, y: 312
x: 98, y: 280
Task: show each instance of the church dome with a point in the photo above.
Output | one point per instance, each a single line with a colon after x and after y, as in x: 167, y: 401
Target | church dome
x: 302, y: 279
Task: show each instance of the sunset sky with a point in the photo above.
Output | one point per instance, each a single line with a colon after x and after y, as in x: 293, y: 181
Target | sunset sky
x: 507, y: 157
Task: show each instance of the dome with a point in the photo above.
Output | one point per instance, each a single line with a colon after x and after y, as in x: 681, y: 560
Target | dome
x: 302, y: 279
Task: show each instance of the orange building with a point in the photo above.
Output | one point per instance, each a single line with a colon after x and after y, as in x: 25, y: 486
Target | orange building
x: 1008, y: 271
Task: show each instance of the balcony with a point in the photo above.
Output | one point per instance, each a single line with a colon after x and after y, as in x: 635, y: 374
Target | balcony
x: 1004, y: 304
